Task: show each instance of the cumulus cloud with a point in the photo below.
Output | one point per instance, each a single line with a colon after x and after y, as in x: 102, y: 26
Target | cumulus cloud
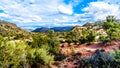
x: 28, y: 13
x: 65, y: 9
x: 99, y: 10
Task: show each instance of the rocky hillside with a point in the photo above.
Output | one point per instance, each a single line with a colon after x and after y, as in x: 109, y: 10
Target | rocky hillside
x: 90, y: 26
x: 10, y: 29
x: 78, y: 27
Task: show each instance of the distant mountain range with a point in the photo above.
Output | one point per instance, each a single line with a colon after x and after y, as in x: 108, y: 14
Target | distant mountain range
x: 7, y: 28
x: 56, y: 29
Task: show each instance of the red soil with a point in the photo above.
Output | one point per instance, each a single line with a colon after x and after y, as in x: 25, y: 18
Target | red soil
x: 85, y: 51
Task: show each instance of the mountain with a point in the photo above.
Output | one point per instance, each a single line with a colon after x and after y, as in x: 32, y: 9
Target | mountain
x: 56, y: 29
x: 62, y: 29
x: 77, y: 27
x: 43, y: 29
x: 10, y: 29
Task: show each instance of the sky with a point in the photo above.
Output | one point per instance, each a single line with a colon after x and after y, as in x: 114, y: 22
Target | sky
x: 30, y: 14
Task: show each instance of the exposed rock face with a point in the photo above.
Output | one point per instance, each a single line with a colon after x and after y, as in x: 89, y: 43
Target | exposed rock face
x: 89, y: 24
x: 78, y: 28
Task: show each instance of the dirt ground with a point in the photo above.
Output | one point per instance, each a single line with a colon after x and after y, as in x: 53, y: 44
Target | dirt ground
x: 83, y: 50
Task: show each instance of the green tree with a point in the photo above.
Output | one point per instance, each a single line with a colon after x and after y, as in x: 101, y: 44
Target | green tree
x: 91, y: 36
x: 73, y: 36
x: 50, y: 40
x: 83, y: 38
x: 51, y: 34
x: 39, y: 40
x: 53, y: 41
x: 88, y: 36
x: 112, y: 27
x: 110, y: 19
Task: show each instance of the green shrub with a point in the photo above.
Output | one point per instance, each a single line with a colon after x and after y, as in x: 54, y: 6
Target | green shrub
x: 100, y: 60
x: 19, y: 36
x: 39, y: 40
x: 50, y: 42
x: 117, y: 56
x: 1, y: 37
x: 40, y: 55
x: 12, y: 54
x: 112, y: 27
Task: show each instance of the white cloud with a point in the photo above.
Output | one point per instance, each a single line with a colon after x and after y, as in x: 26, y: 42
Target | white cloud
x: 111, y: 1
x: 27, y: 11
x: 65, y: 9
x: 99, y: 10
x: 52, y: 12
x: 3, y: 15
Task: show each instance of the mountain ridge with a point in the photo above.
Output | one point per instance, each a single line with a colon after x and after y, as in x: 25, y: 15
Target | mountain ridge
x: 56, y: 29
x: 11, y: 29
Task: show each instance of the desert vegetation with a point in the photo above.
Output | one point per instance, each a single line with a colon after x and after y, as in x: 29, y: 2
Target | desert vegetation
x: 93, y: 45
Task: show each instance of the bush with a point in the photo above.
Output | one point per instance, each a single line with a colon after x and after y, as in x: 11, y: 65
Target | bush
x: 39, y: 40
x: 40, y: 55
x: 19, y: 36
x: 53, y: 44
x: 112, y: 28
x: 16, y: 54
x: 99, y: 60
x: 50, y: 42
x: 73, y: 36
x: 12, y: 54
x: 1, y: 37
x: 117, y: 56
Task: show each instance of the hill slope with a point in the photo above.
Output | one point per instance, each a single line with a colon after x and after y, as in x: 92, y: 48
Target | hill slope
x: 10, y: 29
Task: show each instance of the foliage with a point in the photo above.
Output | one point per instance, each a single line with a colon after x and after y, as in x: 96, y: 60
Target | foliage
x: 15, y: 54
x: 99, y: 60
x: 50, y: 40
x: 110, y: 18
x: 19, y: 36
x: 91, y: 36
x: 73, y: 36
x: 83, y: 36
x: 104, y: 39
x: 53, y: 44
x: 12, y: 54
x: 69, y: 40
x: 40, y: 55
x: 76, y: 36
x: 39, y: 40
x: 88, y: 36
x: 44, y: 47
x: 53, y: 41
x: 10, y: 29
x: 117, y: 56
x: 51, y: 34
x: 112, y: 27
x: 1, y: 37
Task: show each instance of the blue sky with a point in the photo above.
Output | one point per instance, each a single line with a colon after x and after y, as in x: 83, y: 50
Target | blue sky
x: 50, y: 13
